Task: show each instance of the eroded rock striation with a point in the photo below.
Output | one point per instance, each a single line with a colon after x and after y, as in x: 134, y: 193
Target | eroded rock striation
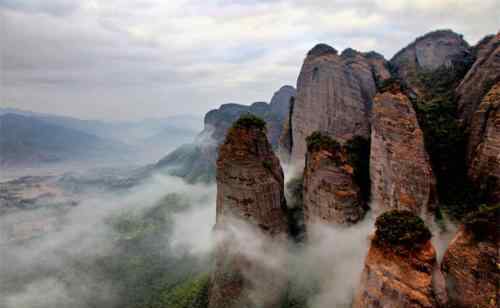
x: 471, y: 263
x: 334, y: 95
x: 484, y: 146
x: 483, y: 74
x: 442, y: 48
x: 249, y: 189
x: 331, y: 193
x: 400, y: 171
x: 399, y: 264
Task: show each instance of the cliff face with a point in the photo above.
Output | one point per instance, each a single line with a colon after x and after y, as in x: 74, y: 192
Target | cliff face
x: 334, y: 96
x: 400, y: 172
x: 482, y: 75
x: 396, y: 276
x: 427, y: 53
x: 470, y: 266
x: 196, y: 162
x: 484, y: 146
x: 249, y: 188
x: 331, y: 194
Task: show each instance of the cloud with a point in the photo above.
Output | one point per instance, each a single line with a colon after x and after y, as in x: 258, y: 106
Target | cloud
x: 138, y: 58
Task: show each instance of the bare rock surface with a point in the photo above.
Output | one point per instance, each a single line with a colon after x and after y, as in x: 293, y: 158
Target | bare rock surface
x: 428, y: 53
x: 331, y: 194
x: 471, y: 269
x: 396, y: 274
x: 334, y: 95
x: 483, y: 74
x: 250, y: 188
x: 484, y: 146
x: 400, y: 171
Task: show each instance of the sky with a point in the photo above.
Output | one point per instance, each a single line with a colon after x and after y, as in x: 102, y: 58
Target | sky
x: 133, y: 59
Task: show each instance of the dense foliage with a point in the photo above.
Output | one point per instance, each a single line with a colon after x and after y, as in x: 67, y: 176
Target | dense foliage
x: 445, y: 139
x: 249, y: 121
x: 401, y: 228
x: 142, y: 266
x: 318, y: 141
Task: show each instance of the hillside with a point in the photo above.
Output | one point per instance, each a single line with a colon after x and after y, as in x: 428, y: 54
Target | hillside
x: 28, y: 141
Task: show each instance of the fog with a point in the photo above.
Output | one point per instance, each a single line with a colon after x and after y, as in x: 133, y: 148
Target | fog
x: 50, y: 263
x: 56, y: 255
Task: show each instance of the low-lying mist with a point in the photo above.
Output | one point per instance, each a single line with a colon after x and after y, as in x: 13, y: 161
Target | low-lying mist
x: 137, y: 247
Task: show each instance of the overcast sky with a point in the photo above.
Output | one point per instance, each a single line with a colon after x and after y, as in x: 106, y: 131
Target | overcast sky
x: 131, y: 59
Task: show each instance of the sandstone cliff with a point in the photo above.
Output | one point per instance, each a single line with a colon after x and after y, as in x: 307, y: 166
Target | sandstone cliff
x: 442, y: 48
x: 482, y: 75
x: 331, y: 194
x: 196, y: 162
x: 250, y: 189
x: 484, y: 146
x: 400, y: 172
x: 471, y: 263
x: 398, y: 268
x: 334, y: 94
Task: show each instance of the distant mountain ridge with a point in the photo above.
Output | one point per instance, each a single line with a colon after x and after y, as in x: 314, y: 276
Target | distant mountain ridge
x: 27, y: 140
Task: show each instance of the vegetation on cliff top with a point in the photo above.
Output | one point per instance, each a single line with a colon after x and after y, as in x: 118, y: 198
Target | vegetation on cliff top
x: 401, y: 228
x: 318, y: 141
x: 249, y: 120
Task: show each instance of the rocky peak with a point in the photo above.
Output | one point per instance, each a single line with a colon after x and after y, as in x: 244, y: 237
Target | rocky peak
x: 321, y: 50
x: 483, y: 74
x: 280, y: 102
x: 334, y: 95
x: 470, y: 264
x: 484, y: 146
x: 441, y: 48
x: 250, y: 188
x: 196, y: 162
x: 400, y: 170
x: 399, y: 264
x: 331, y: 192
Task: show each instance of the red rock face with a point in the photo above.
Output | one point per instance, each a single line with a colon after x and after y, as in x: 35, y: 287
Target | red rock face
x: 470, y: 268
x: 330, y: 193
x: 392, y: 280
x: 249, y: 188
x: 484, y: 146
x: 333, y: 96
x: 400, y: 171
x: 483, y: 74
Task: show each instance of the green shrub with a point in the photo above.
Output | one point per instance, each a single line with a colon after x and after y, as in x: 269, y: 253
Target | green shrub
x: 249, y: 120
x: 191, y: 294
x: 319, y: 141
x: 401, y: 228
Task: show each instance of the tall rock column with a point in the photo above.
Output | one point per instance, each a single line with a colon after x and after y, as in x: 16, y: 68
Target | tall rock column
x: 400, y: 170
x: 484, y: 146
x: 250, y: 189
x: 399, y: 265
x: 331, y: 194
x: 471, y: 263
x: 334, y: 95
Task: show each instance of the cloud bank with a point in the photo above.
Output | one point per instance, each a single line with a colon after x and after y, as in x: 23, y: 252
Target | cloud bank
x: 141, y: 58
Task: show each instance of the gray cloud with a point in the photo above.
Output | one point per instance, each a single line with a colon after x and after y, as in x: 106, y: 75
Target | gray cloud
x: 132, y: 59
